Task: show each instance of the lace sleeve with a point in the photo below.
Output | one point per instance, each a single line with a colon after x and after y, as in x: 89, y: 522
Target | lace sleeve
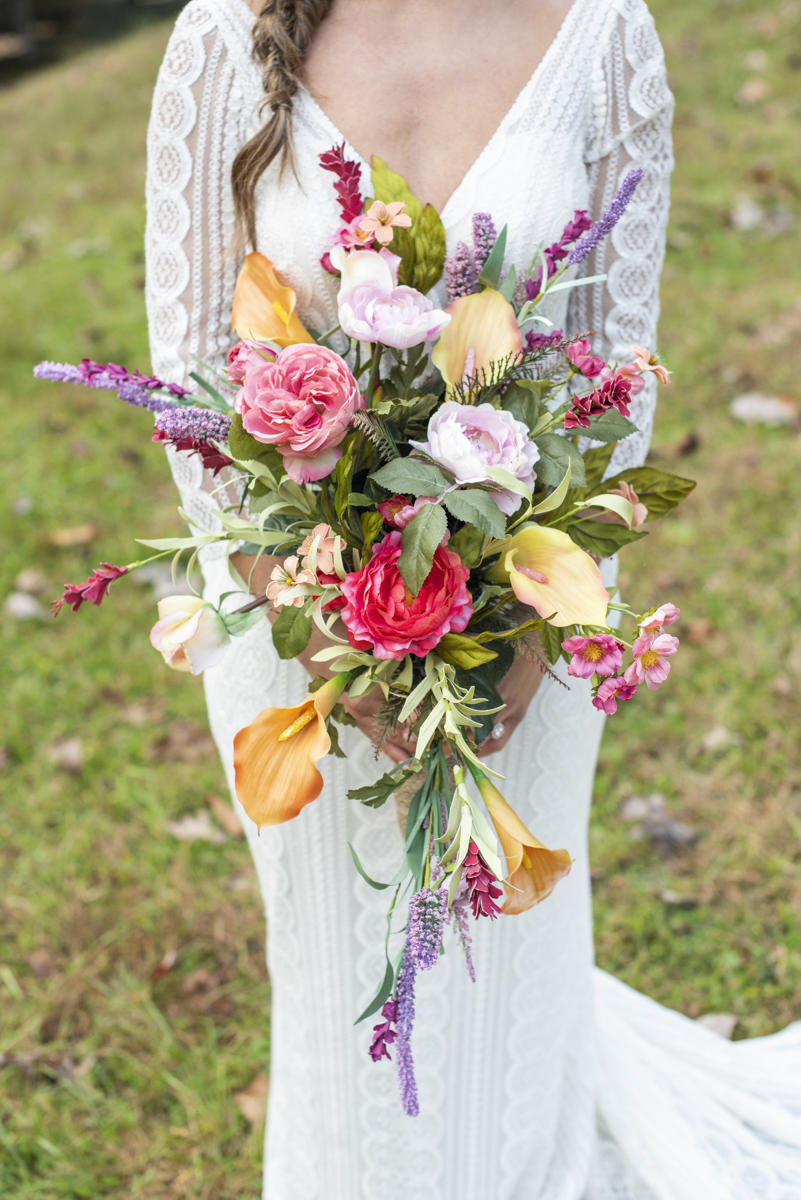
x: 632, y: 114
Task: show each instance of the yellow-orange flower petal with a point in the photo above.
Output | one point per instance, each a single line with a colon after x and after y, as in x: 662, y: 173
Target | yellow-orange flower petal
x: 533, y: 870
x: 570, y: 585
x: 483, y: 329
x: 275, y: 756
x: 263, y: 309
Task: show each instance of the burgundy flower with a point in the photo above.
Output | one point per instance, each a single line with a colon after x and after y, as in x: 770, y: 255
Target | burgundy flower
x: 613, y: 393
x: 213, y: 460
x: 95, y: 589
x: 383, y: 1034
x: 543, y: 341
x: 348, y: 184
x: 482, y: 886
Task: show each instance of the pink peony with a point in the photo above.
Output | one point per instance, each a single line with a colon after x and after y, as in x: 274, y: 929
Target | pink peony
x: 302, y: 404
x: 244, y: 357
x: 469, y: 438
x: 600, y: 654
x: 383, y: 616
x: 666, y: 614
x: 650, y: 654
x: 612, y: 690
x: 373, y: 308
x: 582, y: 358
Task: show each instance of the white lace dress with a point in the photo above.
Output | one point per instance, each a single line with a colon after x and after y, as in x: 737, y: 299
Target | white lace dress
x: 546, y: 1079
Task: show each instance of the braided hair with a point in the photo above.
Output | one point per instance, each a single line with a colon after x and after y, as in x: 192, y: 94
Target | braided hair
x: 282, y: 36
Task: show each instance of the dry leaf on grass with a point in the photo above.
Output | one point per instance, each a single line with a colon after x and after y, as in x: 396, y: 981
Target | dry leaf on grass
x: 253, y: 1100
x: 78, y: 535
x: 185, y: 741
x: 699, y: 630
x: 719, y: 737
x: 23, y: 607
x: 32, y: 581
x: 755, y: 409
x: 225, y: 814
x: 67, y: 755
x: 41, y: 963
x: 196, y: 827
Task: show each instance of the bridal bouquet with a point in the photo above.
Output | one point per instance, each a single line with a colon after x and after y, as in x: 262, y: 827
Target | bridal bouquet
x: 435, y: 485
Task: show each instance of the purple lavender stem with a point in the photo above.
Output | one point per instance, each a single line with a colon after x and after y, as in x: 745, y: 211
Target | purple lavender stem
x: 188, y: 422
x: 461, y: 277
x: 131, y: 387
x: 607, y: 221
x: 484, y: 238
x: 461, y: 927
x: 427, y: 911
x: 405, y: 1019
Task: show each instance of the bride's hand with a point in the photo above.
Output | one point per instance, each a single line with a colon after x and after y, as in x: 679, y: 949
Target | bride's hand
x: 517, y: 689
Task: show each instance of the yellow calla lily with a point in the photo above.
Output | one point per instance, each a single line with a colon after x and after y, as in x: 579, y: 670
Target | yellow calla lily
x: 483, y: 330
x: 263, y: 309
x: 274, y: 756
x: 533, y: 870
x: 551, y: 573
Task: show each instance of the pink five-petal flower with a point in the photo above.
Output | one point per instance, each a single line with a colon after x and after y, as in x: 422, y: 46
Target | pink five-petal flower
x: 612, y: 690
x: 666, y: 614
x: 325, y: 549
x: 285, y: 576
x: 382, y: 219
x: 650, y: 664
x: 600, y: 654
x: 583, y: 360
x: 645, y: 361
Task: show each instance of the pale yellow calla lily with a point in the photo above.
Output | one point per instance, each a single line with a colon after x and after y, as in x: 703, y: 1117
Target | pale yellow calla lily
x: 274, y: 756
x: 483, y: 330
x: 263, y: 309
x: 533, y: 870
x: 551, y: 573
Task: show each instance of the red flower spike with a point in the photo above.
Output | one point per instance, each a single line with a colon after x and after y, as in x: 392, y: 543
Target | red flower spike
x: 213, y: 460
x: 482, y: 886
x: 95, y: 589
x: 348, y: 185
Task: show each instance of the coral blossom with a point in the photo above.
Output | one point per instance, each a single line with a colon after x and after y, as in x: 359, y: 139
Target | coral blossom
x: 600, y: 654
x: 650, y: 654
x: 612, y: 690
x: 285, y: 577
x: 666, y: 614
x: 382, y: 615
x: 645, y: 362
x: 382, y: 219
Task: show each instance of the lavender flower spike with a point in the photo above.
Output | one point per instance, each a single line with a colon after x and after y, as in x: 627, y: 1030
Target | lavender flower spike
x: 461, y: 277
x: 405, y: 1019
x: 607, y: 221
x: 484, y: 238
x: 58, y: 372
x: 201, y: 424
x: 130, y: 386
x: 427, y: 911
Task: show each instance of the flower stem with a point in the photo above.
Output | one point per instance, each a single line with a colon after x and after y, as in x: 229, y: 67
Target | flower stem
x: 375, y: 363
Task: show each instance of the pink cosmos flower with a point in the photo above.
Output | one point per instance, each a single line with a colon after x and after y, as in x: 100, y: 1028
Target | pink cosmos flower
x: 631, y: 372
x: 382, y: 218
x: 666, y: 614
x: 650, y: 665
x: 582, y: 358
x: 285, y: 576
x: 600, y: 654
x: 383, y: 616
x: 612, y: 690
x: 373, y: 308
x: 469, y: 438
x: 645, y: 361
x: 350, y: 235
x: 244, y: 357
x: 301, y: 404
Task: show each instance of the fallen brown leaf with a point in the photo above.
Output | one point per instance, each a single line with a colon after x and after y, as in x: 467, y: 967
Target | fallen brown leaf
x: 31, y: 581
x: 225, y: 814
x: 699, y: 630
x: 200, y: 980
x: 185, y: 741
x: 41, y: 963
x: 78, y: 535
x: 196, y: 827
x: 67, y: 755
x: 253, y: 1100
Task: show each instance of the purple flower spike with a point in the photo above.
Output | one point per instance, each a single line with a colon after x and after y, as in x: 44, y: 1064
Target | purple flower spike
x: 607, y: 221
x: 461, y: 277
x: 461, y: 928
x: 58, y: 372
x: 406, y: 1079
x: 130, y: 386
x: 427, y: 911
x: 201, y: 424
x: 484, y: 238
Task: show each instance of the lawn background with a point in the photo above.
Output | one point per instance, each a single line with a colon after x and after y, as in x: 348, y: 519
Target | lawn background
x: 120, y: 1080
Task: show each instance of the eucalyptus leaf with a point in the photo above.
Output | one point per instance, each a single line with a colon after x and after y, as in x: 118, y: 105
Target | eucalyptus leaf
x: 419, y: 542
x: 477, y: 508
x: 410, y: 475
x: 292, y: 631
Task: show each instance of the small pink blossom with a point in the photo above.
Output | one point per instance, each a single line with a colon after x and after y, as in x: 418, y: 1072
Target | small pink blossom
x: 325, y: 549
x: 600, y: 654
x: 666, y: 614
x: 631, y: 372
x: 645, y: 361
x: 410, y: 511
x: 390, y: 508
x: 582, y: 358
x: 612, y: 690
x: 286, y: 576
x: 244, y: 357
x: 382, y: 219
x: 650, y: 665
x: 639, y: 510
x: 350, y: 236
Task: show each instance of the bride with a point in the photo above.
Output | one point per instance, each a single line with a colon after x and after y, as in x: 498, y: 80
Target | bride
x: 546, y: 1079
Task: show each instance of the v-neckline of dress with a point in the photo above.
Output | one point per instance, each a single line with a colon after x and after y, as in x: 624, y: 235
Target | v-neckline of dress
x: 506, y: 120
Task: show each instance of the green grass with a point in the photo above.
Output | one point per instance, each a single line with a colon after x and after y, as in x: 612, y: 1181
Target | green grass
x: 124, y: 1080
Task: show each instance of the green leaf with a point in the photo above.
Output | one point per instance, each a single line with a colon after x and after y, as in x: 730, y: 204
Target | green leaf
x: 511, y: 635
x: 379, y: 887
x: 389, y: 186
x: 524, y: 399
x: 491, y: 271
x: 555, y: 453
x: 343, y: 473
x: 429, y: 248
x: 410, y: 475
x: 376, y: 794
x: 244, y: 447
x: 463, y: 651
x: 382, y: 995
x: 333, y: 735
x: 359, y: 500
x: 371, y: 523
x: 292, y: 630
x: 239, y: 623
x: 477, y: 508
x: 596, y: 461
x: 600, y: 538
x: 556, y: 498
x: 659, y: 491
x: 551, y: 640
x: 610, y: 427
x: 507, y: 288
x: 419, y: 541
x: 467, y: 542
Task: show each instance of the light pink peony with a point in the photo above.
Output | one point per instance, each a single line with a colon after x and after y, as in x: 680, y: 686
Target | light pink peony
x: 244, y: 357
x: 373, y: 308
x: 612, y: 690
x: 301, y: 404
x: 666, y: 614
x: 383, y: 616
x: 467, y: 438
x: 650, y: 664
x: 600, y: 654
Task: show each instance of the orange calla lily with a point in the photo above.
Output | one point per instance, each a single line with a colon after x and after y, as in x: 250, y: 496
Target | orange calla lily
x: 274, y: 756
x: 483, y: 330
x: 533, y: 869
x: 263, y: 309
x: 551, y: 573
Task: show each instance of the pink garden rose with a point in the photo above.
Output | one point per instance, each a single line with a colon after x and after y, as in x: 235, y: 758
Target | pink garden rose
x: 302, y: 404
x: 600, y: 654
x: 650, y: 664
x: 383, y: 616
x: 468, y: 438
x: 244, y: 357
x: 612, y: 690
